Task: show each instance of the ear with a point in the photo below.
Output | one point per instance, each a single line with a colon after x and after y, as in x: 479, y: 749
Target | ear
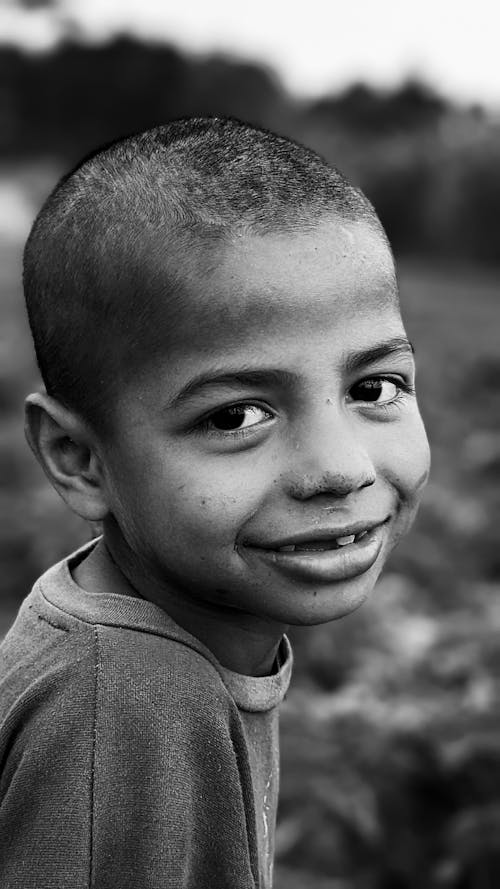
x: 66, y: 451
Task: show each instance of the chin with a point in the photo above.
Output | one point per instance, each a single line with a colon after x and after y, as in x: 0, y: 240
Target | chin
x: 319, y: 606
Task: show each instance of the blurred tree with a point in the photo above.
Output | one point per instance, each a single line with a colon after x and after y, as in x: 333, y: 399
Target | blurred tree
x: 478, y: 187
x: 365, y: 109
x: 432, y: 171
x: 66, y: 102
x: 37, y: 4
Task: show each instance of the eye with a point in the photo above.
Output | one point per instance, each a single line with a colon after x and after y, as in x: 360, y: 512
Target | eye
x: 377, y: 390
x: 236, y: 417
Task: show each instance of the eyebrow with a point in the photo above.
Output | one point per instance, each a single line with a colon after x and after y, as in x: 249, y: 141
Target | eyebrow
x: 396, y: 346
x: 258, y: 377
x: 234, y: 378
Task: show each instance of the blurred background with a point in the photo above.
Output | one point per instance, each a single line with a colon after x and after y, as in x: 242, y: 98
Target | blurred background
x: 391, y: 730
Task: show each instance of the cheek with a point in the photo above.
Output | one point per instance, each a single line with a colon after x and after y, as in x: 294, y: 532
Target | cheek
x: 407, y: 459
x: 209, y: 498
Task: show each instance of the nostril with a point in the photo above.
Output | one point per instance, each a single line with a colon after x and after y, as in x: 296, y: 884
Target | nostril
x: 338, y: 485
x: 369, y: 481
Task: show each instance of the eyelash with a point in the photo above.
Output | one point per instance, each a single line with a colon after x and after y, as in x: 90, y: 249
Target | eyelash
x: 404, y: 389
x: 235, y: 434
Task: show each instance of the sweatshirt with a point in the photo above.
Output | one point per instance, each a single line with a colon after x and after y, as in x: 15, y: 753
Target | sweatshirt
x: 129, y: 757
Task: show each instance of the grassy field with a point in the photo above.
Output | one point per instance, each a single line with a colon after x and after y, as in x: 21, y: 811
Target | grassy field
x: 391, y: 731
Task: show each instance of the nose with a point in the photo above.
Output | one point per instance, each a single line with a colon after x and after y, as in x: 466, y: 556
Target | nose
x: 330, y: 458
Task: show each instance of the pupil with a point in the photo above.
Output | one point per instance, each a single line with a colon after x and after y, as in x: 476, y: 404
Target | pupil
x: 370, y: 390
x: 229, y: 418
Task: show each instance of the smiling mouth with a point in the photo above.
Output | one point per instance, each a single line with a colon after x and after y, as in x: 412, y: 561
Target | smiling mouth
x: 331, y: 559
x: 319, y: 546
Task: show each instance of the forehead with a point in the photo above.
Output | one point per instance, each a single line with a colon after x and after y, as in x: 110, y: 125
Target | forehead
x: 257, y: 284
x: 300, y: 303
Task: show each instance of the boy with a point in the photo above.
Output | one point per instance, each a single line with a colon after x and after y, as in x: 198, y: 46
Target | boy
x: 230, y: 393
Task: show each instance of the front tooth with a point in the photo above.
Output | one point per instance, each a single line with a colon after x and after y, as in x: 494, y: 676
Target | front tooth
x: 343, y: 541
x: 287, y: 549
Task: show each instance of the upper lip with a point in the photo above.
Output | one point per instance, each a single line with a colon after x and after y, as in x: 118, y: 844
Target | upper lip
x: 322, y: 534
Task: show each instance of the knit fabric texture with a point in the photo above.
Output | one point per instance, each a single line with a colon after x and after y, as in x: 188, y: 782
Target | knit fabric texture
x: 130, y: 758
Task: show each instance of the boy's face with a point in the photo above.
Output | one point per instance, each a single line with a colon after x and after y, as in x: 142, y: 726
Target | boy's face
x: 281, y: 415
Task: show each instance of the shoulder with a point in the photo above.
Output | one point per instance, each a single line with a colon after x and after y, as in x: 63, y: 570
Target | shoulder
x: 47, y: 701
x: 142, y: 673
x: 45, y: 655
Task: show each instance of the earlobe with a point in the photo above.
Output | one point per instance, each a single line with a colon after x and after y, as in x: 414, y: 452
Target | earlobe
x: 65, y: 450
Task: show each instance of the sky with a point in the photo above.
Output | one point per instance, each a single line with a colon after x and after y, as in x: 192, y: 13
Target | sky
x: 316, y: 46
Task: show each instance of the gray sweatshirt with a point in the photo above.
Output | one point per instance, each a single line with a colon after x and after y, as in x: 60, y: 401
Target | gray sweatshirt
x: 130, y: 758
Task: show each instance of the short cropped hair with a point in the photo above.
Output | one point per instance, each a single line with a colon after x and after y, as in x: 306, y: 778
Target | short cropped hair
x: 90, y: 277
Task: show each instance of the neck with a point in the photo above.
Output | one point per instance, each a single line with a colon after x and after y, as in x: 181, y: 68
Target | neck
x: 241, y: 642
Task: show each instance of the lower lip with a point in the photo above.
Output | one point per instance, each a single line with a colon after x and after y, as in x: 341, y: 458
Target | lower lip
x: 329, y: 565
